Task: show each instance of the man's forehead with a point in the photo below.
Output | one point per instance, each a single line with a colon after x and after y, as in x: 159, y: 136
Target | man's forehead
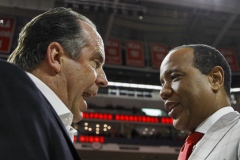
x: 181, y: 56
x: 181, y: 51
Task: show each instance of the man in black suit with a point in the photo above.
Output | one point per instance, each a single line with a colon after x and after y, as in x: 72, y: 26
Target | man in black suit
x: 30, y: 128
x: 63, y: 54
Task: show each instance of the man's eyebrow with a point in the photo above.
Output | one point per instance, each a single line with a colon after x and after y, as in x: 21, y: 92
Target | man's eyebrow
x: 99, y: 56
x: 172, y: 70
x: 169, y: 72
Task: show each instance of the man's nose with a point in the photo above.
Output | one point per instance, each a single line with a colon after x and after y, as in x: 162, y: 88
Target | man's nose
x: 166, y: 92
x: 102, y: 80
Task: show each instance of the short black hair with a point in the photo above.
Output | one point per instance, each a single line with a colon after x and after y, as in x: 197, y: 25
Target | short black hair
x: 206, y: 58
x: 60, y: 25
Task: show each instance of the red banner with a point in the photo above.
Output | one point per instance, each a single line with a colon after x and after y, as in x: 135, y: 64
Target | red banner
x: 134, y: 53
x: 113, y: 52
x: 7, y: 26
x: 230, y: 56
x: 158, y: 51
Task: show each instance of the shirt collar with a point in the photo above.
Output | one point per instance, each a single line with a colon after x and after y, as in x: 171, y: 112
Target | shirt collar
x: 63, y: 112
x: 206, y: 125
x: 53, y: 99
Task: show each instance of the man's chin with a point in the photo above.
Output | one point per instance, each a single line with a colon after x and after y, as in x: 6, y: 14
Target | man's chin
x: 176, y: 124
x: 78, y: 117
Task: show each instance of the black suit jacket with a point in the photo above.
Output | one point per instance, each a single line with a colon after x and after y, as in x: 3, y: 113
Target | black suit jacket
x: 30, y: 129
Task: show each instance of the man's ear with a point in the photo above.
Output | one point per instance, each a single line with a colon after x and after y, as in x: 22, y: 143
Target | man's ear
x: 54, y: 56
x: 216, y: 78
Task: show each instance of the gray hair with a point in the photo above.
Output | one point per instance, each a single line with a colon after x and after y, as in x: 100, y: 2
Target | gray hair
x: 55, y: 25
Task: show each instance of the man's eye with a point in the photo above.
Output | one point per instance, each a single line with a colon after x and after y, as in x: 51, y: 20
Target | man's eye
x: 175, y: 76
x: 97, y: 63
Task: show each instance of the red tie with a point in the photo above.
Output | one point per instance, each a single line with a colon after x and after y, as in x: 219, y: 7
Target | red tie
x: 187, y: 148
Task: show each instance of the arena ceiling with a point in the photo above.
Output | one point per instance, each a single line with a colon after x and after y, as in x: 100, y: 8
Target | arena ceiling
x: 170, y: 22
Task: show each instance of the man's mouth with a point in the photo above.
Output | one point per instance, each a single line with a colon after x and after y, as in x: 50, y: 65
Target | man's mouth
x: 86, y: 95
x: 170, y: 105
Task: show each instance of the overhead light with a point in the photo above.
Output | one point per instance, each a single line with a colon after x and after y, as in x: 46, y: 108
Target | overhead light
x: 133, y: 85
x: 140, y: 15
x: 235, y: 89
x: 233, y: 100
x: 152, y: 112
x: 146, y: 86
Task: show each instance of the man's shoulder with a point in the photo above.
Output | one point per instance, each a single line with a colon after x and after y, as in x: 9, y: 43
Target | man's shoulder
x: 18, y: 90
x: 9, y: 65
x: 9, y: 70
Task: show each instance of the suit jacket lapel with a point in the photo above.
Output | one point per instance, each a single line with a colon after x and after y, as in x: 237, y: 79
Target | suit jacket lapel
x: 65, y: 133
x: 214, y: 136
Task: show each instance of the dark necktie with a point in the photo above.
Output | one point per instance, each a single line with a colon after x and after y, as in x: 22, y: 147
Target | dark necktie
x: 187, y: 148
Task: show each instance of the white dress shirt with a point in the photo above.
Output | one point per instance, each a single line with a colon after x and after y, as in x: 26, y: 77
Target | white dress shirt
x: 61, y: 109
